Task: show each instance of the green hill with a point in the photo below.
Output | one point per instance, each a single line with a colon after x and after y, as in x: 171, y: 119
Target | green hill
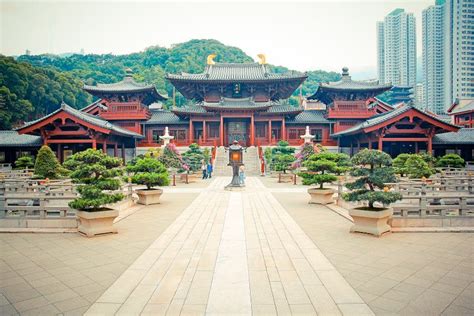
x: 62, y: 77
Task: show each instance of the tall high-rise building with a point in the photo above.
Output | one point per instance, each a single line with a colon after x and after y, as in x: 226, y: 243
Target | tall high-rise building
x: 396, y: 46
x: 434, y: 84
x: 459, y: 49
x: 419, y: 95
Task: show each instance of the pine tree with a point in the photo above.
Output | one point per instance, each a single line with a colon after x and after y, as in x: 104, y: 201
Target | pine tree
x: 47, y: 165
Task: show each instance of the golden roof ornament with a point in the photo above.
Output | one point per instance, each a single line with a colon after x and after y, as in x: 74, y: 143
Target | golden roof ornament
x: 263, y: 59
x: 210, y: 59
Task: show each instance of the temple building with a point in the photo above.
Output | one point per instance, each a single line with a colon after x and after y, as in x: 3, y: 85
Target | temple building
x: 247, y: 102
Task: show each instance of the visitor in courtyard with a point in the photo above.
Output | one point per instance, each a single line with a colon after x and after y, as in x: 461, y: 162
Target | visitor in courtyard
x: 242, y: 175
x: 209, y: 169
x: 204, y: 170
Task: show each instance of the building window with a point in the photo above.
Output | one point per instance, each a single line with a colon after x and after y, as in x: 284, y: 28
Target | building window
x: 156, y: 135
x: 318, y: 134
x: 260, y: 130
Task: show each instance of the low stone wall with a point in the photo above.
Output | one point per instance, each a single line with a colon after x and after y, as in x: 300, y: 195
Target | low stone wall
x: 443, y: 221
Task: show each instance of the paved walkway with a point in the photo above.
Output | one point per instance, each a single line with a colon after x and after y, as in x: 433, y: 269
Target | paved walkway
x: 232, y: 253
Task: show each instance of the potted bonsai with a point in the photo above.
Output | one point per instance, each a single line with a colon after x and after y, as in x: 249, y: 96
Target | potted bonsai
x: 97, y: 175
x: 149, y: 172
x: 321, y: 168
x: 372, y: 169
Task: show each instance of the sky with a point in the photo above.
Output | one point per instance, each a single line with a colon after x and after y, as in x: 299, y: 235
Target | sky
x: 301, y: 35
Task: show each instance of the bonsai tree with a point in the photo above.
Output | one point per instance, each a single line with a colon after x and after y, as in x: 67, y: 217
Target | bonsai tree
x: 171, y: 158
x: 321, y: 169
x: 282, y: 156
x: 373, y: 169
x: 153, y: 153
x: 47, y: 165
x: 97, y: 175
x: 343, y: 163
x: 428, y: 158
x: 451, y: 160
x: 399, y: 164
x: 416, y: 167
x: 193, y: 157
x: 267, y: 154
x: 24, y: 162
x: 149, y: 172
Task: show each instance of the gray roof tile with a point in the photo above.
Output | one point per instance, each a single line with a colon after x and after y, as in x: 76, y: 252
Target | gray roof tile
x: 465, y: 136
x: 465, y: 107
x: 165, y: 117
x: 237, y: 72
x: 309, y: 117
x: 13, y: 139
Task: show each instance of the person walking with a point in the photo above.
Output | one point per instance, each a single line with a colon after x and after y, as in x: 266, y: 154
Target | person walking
x: 209, y: 169
x: 242, y: 175
x: 204, y: 170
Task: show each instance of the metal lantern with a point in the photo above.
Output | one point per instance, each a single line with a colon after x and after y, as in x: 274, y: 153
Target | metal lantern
x: 235, y: 161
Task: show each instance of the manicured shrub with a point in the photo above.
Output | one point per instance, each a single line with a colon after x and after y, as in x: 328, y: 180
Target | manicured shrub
x: 47, y: 165
x: 97, y: 174
x: 429, y: 159
x: 321, y: 169
x: 305, y: 151
x: 24, y: 162
x: 282, y: 156
x: 451, y: 160
x: 171, y: 158
x: 373, y: 170
x: 194, y: 157
x: 153, y: 153
x: 416, y: 167
x: 149, y: 172
x: 399, y: 164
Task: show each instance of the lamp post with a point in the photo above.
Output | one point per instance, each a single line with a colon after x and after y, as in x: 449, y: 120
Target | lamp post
x: 235, y: 161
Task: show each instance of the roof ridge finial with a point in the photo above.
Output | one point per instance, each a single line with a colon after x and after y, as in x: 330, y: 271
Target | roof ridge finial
x: 63, y: 104
x: 128, y: 72
x: 210, y: 59
x: 262, y: 59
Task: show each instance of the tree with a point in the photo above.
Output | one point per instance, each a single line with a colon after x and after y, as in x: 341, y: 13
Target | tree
x: 25, y: 162
x: 282, y: 156
x: 429, y: 159
x: 451, y: 160
x: 305, y: 150
x: 373, y: 170
x: 97, y: 174
x: 194, y: 157
x: 399, y: 164
x: 321, y: 169
x: 149, y: 172
x: 416, y: 167
x: 47, y: 165
x: 171, y: 158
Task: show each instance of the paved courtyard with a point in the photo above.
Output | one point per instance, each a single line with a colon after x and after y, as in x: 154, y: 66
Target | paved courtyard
x: 261, y: 251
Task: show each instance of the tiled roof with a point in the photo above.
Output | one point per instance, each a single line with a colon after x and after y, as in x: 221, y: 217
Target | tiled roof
x: 13, y: 139
x: 240, y: 103
x: 309, y: 117
x: 165, y: 117
x: 88, y: 118
x: 463, y: 107
x: 283, y: 109
x: 237, y: 72
x: 193, y: 109
x: 465, y: 136
x: 380, y: 118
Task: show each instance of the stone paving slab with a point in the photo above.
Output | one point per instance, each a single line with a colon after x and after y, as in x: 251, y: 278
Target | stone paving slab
x: 232, y: 253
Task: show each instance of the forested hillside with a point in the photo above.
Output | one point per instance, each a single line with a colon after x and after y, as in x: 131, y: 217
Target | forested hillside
x: 36, y: 85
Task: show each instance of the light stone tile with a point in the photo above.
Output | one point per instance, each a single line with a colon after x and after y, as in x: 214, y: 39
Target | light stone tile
x: 193, y: 310
x: 122, y: 287
x: 321, y: 300
x: 338, y: 288
x: 71, y: 303
x: 263, y: 310
x: 302, y: 309
x: 31, y: 304
x: 260, y: 289
x: 294, y: 290
x: 137, y: 300
x: 200, y: 287
x: 355, y: 310
x: 102, y: 309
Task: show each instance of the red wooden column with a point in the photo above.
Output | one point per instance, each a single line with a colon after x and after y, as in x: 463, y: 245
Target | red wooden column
x: 283, y: 129
x: 430, y: 144
x: 204, y: 133
x: 191, y: 134
x: 269, y: 132
x: 252, y: 131
x: 380, y: 146
x: 221, y: 134
x: 104, y: 147
x: 94, y: 143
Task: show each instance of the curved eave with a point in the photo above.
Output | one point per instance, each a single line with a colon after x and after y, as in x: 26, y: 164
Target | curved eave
x: 295, y: 112
x: 207, y: 80
x: 319, y: 94
x: 100, y: 91
x: 235, y: 108
x: 189, y: 113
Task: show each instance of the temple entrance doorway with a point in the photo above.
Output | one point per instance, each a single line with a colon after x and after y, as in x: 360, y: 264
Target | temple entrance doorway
x: 237, y: 129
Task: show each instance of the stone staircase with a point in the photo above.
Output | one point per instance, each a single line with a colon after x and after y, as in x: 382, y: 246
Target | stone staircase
x: 251, y: 162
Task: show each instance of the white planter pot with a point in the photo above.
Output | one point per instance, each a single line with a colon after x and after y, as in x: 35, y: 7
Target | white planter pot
x: 371, y: 222
x: 147, y: 197
x: 96, y: 223
x: 321, y: 196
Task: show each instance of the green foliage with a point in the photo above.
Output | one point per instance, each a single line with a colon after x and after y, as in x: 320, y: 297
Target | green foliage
x: 451, y: 160
x: 28, y: 92
x: 416, y: 167
x: 47, y: 165
x: 282, y: 162
x: 267, y: 154
x: 306, y: 150
x: 96, y: 174
x: 153, y: 153
x: 207, y: 154
x: 373, y: 170
x: 429, y: 159
x: 25, y: 162
x: 399, y: 164
x: 148, y: 171
x: 171, y: 158
x: 194, y: 157
x: 322, y: 167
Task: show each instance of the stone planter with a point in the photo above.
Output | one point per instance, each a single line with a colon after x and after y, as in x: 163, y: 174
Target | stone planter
x: 321, y: 196
x: 96, y: 223
x: 371, y: 222
x: 147, y: 197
